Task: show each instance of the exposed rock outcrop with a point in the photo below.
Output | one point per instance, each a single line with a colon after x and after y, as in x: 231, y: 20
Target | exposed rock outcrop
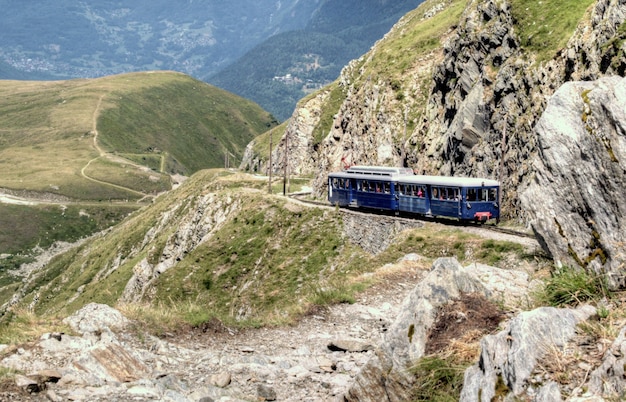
x: 576, y: 199
x: 206, y: 216
x: 386, y: 376
x: 509, y: 358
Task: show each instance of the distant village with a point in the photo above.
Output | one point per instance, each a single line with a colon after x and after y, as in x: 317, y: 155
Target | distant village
x: 308, y: 85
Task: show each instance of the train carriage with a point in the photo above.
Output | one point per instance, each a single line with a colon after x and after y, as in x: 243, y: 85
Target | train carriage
x: 399, y: 190
x: 340, y: 189
x: 365, y: 186
x: 467, y: 199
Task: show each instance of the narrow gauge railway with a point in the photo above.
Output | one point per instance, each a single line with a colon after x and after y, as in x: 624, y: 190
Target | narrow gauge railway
x: 462, y: 202
x: 444, y: 221
x: 400, y: 191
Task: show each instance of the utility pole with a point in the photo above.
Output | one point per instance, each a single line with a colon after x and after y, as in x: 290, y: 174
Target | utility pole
x: 403, y: 144
x: 503, y: 151
x: 286, y: 162
x: 269, y: 168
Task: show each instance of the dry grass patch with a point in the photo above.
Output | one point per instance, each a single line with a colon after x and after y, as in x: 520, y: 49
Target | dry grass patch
x: 452, y: 346
x: 23, y: 326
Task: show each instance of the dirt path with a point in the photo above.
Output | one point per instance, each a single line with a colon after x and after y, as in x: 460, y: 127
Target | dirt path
x: 102, y: 154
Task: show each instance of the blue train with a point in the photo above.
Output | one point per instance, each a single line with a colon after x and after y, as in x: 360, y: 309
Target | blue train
x: 398, y: 189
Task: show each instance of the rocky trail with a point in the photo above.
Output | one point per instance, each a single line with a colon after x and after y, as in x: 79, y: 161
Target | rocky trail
x: 313, y: 360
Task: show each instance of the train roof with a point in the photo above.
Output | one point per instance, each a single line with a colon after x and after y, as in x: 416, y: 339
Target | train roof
x: 449, y: 181
x: 419, y: 179
x: 380, y: 170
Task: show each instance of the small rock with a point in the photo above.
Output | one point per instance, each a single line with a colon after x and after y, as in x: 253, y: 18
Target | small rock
x: 221, y: 380
x: 326, y: 364
x: 27, y: 383
x: 350, y: 345
x: 49, y: 375
x: 52, y: 396
x: 297, y: 371
x: 144, y: 392
x: 266, y: 393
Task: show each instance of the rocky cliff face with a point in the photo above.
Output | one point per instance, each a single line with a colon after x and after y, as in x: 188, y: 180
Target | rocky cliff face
x: 481, y: 116
x: 582, y: 161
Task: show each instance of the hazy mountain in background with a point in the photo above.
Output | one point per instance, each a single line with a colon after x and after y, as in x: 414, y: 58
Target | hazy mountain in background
x: 67, y: 39
x: 287, y: 66
x: 312, y: 41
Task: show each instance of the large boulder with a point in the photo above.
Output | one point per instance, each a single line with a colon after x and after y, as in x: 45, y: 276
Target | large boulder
x: 576, y: 200
x: 385, y: 376
x: 509, y: 358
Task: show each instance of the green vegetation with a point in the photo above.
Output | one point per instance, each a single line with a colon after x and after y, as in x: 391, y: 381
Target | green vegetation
x: 546, y: 26
x: 189, y: 123
x: 125, y: 176
x: 403, y: 47
x: 492, y: 251
x: 569, y: 286
x: 22, y: 326
x: 336, y: 98
x: 24, y: 227
x: 438, y: 379
x: 267, y: 262
x: 6, y: 376
x: 465, y: 247
x: 272, y: 253
x: 262, y: 143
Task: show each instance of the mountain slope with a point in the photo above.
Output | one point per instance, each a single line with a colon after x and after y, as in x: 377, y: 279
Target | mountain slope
x: 102, y: 142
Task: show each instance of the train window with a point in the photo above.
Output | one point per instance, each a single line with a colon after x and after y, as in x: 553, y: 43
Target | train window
x: 435, y: 193
x: 493, y: 194
x: 453, y: 194
x: 401, y: 189
x: 335, y: 183
x: 387, y: 188
x: 472, y: 194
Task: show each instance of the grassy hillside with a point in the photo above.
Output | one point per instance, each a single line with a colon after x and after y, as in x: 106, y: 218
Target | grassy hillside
x: 190, y: 124
x: 110, y: 140
x: 545, y: 27
x: 268, y: 262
